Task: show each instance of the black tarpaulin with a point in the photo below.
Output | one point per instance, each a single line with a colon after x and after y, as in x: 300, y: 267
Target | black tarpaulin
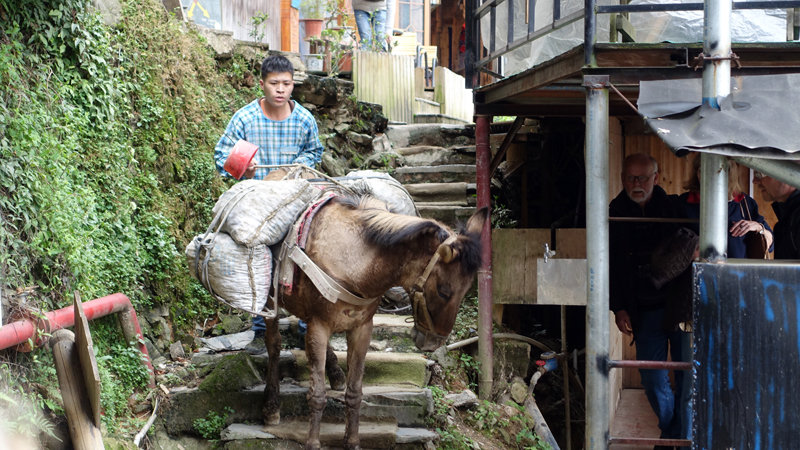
x: 761, y: 116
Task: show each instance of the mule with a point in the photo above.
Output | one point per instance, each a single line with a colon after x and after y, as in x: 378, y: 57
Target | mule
x: 367, y: 249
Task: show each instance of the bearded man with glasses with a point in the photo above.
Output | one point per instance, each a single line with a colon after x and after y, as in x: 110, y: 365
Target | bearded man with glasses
x: 786, y: 203
x: 637, y: 304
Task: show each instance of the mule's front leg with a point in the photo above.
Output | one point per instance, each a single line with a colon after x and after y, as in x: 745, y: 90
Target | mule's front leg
x: 357, y: 345
x: 272, y: 392
x: 316, y: 347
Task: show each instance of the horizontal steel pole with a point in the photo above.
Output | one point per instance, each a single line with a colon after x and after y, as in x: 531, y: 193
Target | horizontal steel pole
x: 657, y: 365
x: 574, y: 17
x: 652, y: 219
x: 663, y: 7
x: 484, y: 8
x: 650, y: 442
x: 784, y: 171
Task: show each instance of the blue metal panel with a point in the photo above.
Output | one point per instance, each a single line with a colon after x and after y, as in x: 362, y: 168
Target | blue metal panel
x: 747, y: 356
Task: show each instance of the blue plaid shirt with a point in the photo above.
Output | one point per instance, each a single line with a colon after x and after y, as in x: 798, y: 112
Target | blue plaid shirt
x: 293, y: 140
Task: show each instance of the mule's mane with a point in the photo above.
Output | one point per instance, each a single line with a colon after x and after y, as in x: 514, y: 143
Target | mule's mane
x: 384, y: 228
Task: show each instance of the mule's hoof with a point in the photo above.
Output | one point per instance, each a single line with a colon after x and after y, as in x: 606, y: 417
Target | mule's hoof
x: 272, y: 419
x: 337, y: 385
x: 313, y: 446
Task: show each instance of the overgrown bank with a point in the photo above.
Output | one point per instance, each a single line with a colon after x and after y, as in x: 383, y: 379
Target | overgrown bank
x: 106, y: 171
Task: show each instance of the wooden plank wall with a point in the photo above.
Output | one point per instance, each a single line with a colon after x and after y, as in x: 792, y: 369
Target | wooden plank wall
x: 387, y: 80
x: 290, y: 27
x: 450, y: 92
x: 236, y: 15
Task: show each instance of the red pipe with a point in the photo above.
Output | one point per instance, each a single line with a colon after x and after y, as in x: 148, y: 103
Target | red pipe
x: 18, y: 333
x: 483, y: 181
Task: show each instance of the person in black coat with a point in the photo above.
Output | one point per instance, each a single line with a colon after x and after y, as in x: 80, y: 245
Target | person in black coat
x: 637, y: 304
x: 786, y: 203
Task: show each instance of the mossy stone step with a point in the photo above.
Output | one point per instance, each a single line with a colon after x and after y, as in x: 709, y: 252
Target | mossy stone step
x: 380, y: 369
x: 409, y: 406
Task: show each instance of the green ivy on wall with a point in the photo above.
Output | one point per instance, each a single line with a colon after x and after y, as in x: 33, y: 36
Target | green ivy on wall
x: 106, y: 143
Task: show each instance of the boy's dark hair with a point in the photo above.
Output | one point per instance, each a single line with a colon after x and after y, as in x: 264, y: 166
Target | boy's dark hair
x: 276, y: 64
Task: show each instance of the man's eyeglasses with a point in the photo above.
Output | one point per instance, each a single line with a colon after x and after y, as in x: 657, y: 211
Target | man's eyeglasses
x: 758, y: 175
x: 642, y: 178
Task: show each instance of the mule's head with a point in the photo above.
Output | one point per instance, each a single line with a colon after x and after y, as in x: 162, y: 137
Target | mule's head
x: 438, y: 292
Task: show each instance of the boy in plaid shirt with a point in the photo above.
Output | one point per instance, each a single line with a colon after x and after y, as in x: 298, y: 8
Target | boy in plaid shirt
x: 284, y: 131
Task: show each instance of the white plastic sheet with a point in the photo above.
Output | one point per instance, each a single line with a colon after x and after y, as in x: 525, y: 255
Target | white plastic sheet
x: 747, y: 25
x: 678, y: 26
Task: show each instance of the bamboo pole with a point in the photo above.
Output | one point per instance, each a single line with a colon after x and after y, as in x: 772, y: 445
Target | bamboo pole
x: 85, y: 435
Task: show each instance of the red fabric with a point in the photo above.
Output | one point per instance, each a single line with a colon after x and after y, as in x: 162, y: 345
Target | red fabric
x: 694, y: 198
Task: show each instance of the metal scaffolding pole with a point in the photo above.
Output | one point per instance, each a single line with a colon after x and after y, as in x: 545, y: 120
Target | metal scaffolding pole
x: 484, y: 181
x: 597, y: 320
x: 714, y: 168
x: 784, y: 171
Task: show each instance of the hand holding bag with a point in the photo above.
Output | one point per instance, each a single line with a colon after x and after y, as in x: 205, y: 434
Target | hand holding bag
x: 755, y: 243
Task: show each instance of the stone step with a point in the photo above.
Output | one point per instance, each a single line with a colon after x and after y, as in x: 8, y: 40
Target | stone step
x: 434, y: 134
x: 424, y: 155
x: 427, y: 193
x: 380, y: 368
x: 373, y: 434
x: 452, y: 173
x: 410, y: 407
x: 449, y: 215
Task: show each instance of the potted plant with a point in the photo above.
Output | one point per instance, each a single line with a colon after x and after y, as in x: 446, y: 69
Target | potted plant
x: 313, y: 12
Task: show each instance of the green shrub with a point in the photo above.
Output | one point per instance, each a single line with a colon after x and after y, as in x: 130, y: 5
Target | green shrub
x: 213, y: 424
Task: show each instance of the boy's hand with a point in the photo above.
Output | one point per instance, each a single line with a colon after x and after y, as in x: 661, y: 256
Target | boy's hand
x: 251, y: 169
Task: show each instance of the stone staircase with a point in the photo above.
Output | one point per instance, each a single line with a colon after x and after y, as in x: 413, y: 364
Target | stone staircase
x: 395, y: 409
x: 437, y: 168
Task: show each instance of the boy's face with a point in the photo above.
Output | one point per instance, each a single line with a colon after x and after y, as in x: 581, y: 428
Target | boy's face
x: 277, y: 88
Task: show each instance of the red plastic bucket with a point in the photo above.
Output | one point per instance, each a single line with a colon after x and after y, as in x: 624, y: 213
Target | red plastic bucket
x: 240, y: 157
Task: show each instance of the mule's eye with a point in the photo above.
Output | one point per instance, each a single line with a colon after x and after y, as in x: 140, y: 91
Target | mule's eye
x: 444, y: 293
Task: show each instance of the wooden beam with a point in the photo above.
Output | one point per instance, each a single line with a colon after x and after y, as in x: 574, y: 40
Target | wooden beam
x: 569, y: 63
x: 627, y: 30
x: 501, y: 152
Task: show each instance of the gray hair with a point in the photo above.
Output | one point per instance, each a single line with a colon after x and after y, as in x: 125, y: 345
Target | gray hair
x: 638, y: 156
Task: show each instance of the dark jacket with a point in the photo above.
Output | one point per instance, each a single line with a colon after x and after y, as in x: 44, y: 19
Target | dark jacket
x: 631, y: 247
x: 787, y: 230
x: 736, y: 211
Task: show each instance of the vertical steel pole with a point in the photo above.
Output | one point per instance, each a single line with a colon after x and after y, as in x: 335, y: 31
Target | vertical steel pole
x: 484, y: 179
x: 597, y: 320
x: 714, y: 168
x: 589, y: 33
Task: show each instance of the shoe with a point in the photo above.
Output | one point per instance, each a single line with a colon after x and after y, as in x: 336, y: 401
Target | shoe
x: 257, y: 346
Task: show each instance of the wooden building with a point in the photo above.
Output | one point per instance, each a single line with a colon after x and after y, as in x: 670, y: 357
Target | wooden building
x: 546, y: 94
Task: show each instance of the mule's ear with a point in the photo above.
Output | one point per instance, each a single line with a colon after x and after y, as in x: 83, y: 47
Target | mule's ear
x: 475, y: 223
x: 447, y: 253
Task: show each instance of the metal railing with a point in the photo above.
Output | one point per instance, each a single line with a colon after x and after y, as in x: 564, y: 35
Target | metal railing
x: 480, y: 54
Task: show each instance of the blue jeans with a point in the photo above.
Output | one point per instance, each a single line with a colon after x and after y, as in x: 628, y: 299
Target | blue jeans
x: 260, y: 327
x: 366, y: 23
x: 652, y: 344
